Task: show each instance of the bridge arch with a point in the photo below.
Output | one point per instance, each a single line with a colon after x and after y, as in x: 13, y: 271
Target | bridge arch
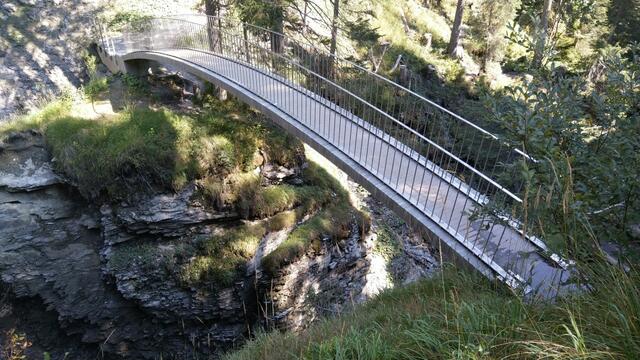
x: 405, y: 179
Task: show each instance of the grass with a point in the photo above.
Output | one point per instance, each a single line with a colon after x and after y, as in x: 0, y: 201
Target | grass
x: 388, y: 21
x: 37, y: 119
x: 144, y: 150
x: 138, y: 151
x: 221, y: 257
x: 245, y: 192
x: 331, y: 223
x: 143, y: 255
x: 462, y: 316
x: 387, y: 243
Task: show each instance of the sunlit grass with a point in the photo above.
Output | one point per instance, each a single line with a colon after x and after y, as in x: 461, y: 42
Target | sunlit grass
x: 37, y: 119
x: 142, y: 150
x: 388, y: 21
x: 463, y: 316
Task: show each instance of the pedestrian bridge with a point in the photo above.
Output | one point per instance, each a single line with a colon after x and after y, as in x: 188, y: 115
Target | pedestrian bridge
x: 435, y: 169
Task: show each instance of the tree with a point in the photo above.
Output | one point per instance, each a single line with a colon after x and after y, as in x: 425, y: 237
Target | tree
x: 276, y: 16
x: 487, y: 23
x: 334, y: 26
x: 212, y: 8
x: 454, y: 41
x: 269, y: 14
x: 624, y: 16
x: 538, y: 55
x: 334, y: 35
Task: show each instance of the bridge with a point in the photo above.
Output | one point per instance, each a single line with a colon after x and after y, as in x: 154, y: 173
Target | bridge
x: 435, y: 169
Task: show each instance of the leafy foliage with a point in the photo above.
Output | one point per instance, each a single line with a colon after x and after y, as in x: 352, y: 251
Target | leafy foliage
x: 488, y: 26
x: 122, y: 19
x: 585, y: 134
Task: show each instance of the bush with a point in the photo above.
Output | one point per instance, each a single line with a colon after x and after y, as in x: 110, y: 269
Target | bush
x: 584, y: 132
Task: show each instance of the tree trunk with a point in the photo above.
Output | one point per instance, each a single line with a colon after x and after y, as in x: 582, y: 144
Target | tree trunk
x: 277, y: 26
x: 245, y: 36
x: 304, y: 17
x: 334, y: 37
x: 542, y: 34
x: 454, y: 41
x: 212, y: 8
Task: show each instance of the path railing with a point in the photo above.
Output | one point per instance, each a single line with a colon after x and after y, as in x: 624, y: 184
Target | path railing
x: 472, y: 160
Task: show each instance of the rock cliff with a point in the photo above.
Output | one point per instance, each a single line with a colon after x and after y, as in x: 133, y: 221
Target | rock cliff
x: 106, y: 272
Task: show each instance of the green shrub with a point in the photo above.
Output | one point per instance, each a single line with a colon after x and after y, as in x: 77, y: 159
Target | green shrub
x: 122, y: 19
x: 582, y: 191
x: 96, y: 87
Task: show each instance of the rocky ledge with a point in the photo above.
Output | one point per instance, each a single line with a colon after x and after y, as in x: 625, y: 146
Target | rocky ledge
x: 102, y: 271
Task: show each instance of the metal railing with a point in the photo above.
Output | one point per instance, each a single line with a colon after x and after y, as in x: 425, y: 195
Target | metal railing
x: 470, y: 159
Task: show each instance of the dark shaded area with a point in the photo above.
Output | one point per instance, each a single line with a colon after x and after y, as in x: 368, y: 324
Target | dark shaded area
x: 29, y: 316
x: 624, y: 17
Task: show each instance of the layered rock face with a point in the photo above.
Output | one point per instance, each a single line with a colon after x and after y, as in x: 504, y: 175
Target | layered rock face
x: 104, y: 274
x: 51, y: 242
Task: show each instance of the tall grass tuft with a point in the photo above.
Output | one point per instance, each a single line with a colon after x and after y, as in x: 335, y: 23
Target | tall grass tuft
x: 463, y: 316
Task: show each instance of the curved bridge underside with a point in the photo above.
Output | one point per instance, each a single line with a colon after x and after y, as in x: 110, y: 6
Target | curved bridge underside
x: 417, y: 189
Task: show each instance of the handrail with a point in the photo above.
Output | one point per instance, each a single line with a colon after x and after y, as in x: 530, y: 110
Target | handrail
x: 422, y: 137
x: 361, y: 68
x: 357, y: 66
x: 181, y: 18
x: 457, y: 159
x: 378, y: 110
x: 362, y: 108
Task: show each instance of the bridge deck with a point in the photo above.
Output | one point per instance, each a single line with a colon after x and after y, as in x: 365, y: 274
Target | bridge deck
x: 437, y: 194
